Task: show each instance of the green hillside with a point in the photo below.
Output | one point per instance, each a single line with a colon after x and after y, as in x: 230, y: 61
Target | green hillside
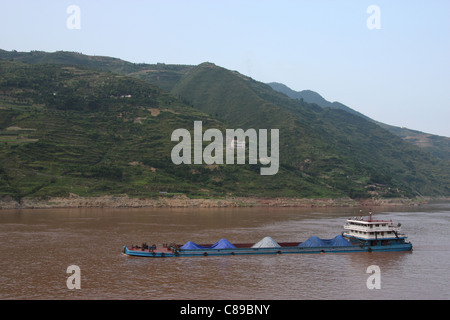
x: 66, y: 129
x: 71, y: 123
x: 330, y: 146
x: 438, y: 146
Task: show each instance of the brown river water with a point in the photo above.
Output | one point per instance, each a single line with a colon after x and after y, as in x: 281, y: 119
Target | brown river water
x: 39, y: 245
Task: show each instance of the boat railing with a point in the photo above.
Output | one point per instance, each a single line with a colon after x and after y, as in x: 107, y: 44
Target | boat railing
x: 371, y: 227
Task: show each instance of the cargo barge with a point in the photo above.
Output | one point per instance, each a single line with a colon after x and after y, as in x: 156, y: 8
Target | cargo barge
x: 360, y: 235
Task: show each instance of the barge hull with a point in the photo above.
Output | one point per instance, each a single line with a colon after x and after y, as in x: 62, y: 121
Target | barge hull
x: 264, y: 251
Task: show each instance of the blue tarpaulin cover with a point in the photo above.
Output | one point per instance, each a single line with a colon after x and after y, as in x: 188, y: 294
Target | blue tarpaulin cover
x: 341, y: 241
x: 192, y: 245
x: 337, y: 241
x: 222, y: 244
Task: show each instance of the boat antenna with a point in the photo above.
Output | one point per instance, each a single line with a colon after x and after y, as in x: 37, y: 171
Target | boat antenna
x: 370, y: 215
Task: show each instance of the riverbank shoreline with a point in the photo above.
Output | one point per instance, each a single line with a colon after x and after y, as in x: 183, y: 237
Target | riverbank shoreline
x: 182, y: 201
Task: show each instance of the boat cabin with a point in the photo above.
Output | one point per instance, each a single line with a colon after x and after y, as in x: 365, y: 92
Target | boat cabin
x: 372, y: 232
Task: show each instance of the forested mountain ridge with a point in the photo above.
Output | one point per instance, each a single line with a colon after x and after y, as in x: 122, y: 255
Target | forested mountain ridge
x: 98, y: 130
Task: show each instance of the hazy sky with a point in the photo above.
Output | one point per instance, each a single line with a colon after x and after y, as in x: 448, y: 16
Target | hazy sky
x: 398, y: 74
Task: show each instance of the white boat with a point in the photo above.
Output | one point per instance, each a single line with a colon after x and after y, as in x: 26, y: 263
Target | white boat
x: 374, y: 232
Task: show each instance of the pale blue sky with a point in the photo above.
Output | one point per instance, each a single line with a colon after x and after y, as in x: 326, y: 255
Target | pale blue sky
x: 399, y: 74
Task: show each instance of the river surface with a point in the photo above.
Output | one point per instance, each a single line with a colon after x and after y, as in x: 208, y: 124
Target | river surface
x: 39, y: 245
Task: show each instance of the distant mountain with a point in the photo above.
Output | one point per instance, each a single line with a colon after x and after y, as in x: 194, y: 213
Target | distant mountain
x: 99, y: 125
x: 439, y: 146
x: 313, y: 97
